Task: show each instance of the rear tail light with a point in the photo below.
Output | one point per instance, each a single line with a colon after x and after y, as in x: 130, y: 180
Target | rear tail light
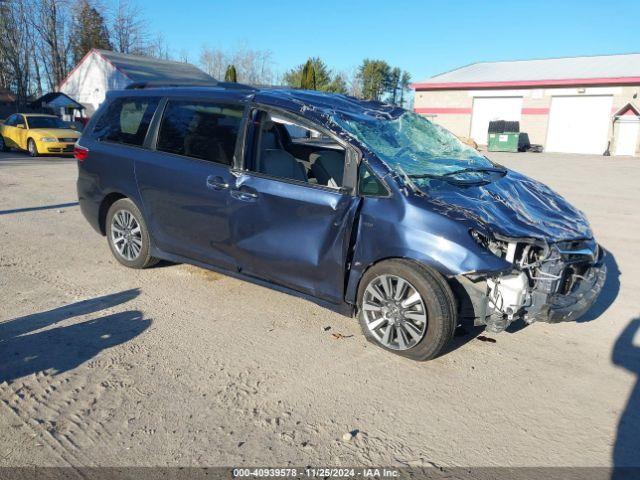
x: 80, y: 152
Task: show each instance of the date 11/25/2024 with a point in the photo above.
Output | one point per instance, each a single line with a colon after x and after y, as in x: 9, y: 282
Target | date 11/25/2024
x: 319, y: 472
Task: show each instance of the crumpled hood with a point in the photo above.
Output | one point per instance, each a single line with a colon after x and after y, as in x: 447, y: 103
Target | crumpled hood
x: 513, y: 206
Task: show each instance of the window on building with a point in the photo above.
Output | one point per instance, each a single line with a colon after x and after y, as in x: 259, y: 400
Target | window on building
x: 126, y: 120
x: 206, y: 131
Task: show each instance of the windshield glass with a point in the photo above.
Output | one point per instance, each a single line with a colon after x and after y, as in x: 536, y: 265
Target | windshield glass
x: 422, y: 149
x: 46, y: 122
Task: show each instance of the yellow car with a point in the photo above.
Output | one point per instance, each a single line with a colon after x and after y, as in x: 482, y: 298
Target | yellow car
x: 38, y: 134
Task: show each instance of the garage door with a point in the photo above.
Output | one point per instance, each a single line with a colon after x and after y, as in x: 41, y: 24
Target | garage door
x: 486, y: 109
x: 579, y: 124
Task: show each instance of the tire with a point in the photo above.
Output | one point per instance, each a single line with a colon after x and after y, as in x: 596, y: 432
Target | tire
x: 3, y: 145
x: 421, y: 340
x: 32, y: 148
x: 128, y: 235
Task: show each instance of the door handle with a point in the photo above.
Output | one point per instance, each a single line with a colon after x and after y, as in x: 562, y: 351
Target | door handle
x: 244, y: 193
x: 216, y: 183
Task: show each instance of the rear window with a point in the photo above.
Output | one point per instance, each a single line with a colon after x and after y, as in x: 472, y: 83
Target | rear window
x: 126, y: 120
x: 207, y: 131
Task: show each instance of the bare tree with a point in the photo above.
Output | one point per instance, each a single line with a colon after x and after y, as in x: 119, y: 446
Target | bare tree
x: 253, y: 66
x: 15, y: 48
x: 354, y: 83
x: 213, y: 61
x: 129, y: 28
x: 52, y: 20
x: 158, y: 48
x: 183, y: 56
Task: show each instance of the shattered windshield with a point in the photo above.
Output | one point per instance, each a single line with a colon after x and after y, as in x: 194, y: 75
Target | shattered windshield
x: 419, y: 149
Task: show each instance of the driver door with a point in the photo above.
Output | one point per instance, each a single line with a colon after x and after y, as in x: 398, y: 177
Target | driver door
x: 21, y: 133
x: 287, y: 227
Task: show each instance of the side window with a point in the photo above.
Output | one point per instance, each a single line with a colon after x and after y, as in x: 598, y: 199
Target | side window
x: 126, y: 120
x: 287, y: 149
x: 368, y: 183
x: 206, y: 131
x: 11, y: 121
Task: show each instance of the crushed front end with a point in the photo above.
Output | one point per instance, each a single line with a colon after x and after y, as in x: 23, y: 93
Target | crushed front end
x: 548, y: 282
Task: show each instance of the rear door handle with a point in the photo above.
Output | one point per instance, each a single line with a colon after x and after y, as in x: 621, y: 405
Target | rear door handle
x: 216, y: 183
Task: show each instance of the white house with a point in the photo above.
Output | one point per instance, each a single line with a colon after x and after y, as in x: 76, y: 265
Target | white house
x: 102, y: 70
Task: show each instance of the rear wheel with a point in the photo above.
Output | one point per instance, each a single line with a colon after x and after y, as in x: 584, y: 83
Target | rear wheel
x: 32, y: 148
x: 406, y: 308
x: 128, y: 235
x: 3, y: 145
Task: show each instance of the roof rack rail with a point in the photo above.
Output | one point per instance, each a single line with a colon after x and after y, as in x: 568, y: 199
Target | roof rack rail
x: 143, y: 85
x: 214, y: 83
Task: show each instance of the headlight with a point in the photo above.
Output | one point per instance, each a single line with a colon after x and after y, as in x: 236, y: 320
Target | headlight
x: 497, y: 247
x: 48, y: 139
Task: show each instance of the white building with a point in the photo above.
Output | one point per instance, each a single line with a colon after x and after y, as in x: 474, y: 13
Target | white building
x: 569, y: 105
x: 102, y: 70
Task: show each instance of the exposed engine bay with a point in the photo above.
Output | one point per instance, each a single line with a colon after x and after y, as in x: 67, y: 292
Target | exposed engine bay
x: 549, y: 282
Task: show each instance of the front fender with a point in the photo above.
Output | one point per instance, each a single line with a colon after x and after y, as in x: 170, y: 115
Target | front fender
x: 388, y: 230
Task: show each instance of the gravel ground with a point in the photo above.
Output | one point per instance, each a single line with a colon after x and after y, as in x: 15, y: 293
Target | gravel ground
x: 175, y: 365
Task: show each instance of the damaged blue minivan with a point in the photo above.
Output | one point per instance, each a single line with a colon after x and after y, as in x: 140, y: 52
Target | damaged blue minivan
x: 360, y: 206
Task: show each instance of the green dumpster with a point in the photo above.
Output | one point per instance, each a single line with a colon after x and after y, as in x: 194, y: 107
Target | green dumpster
x: 503, y: 142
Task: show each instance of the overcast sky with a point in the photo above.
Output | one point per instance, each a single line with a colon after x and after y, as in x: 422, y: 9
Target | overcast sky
x: 423, y: 37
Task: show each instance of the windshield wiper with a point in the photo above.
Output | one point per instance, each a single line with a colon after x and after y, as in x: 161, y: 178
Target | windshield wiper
x: 446, y: 177
x: 503, y: 171
x: 407, y: 180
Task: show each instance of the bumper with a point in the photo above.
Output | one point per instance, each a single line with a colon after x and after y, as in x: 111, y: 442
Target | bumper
x: 565, y: 308
x: 564, y: 291
x: 55, y: 147
x: 89, y: 204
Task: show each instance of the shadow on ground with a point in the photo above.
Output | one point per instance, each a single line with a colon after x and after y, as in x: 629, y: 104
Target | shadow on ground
x: 25, y: 350
x: 626, y: 452
x: 42, y: 207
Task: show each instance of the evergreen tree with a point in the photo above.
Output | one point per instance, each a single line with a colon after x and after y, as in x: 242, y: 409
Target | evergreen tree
x: 337, y: 85
x: 326, y: 81
x: 231, y: 75
x: 405, y: 81
x: 374, y: 76
x: 91, y: 30
x: 308, y: 80
x: 394, y: 84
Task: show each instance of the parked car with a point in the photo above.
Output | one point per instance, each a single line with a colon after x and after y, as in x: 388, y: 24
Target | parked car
x: 366, y: 208
x: 37, y: 134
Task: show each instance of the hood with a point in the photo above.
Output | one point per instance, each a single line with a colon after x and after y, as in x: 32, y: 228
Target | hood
x: 513, y: 206
x: 56, y: 132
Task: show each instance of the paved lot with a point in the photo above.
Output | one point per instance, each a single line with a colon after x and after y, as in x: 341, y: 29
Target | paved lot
x: 179, y: 366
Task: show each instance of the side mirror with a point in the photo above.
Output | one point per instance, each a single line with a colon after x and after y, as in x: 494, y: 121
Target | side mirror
x: 20, y: 125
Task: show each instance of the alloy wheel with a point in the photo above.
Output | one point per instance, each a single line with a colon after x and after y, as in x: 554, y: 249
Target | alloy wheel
x: 126, y: 235
x: 394, y: 312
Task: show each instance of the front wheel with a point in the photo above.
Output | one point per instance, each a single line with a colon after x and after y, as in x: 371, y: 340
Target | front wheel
x: 3, y: 145
x: 406, y: 308
x: 128, y: 235
x: 32, y: 148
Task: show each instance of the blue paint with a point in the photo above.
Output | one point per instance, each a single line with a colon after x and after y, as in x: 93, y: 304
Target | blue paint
x: 308, y: 239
